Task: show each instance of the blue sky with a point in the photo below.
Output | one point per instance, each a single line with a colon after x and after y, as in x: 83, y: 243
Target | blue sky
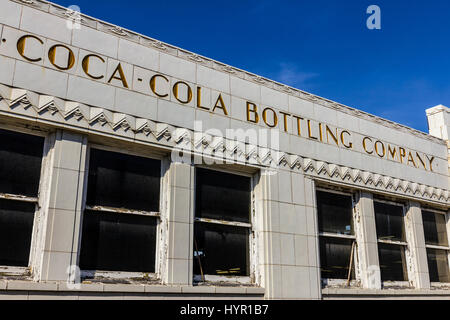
x: 320, y: 46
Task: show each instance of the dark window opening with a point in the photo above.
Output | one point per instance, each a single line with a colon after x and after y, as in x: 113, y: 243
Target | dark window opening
x: 222, y: 196
x: 438, y: 265
x: 389, y: 221
x: 16, y: 227
x: 435, y: 228
x: 20, y: 163
x: 118, y: 242
x: 221, y: 249
x: 392, y: 262
x: 335, y: 213
x: 123, y: 181
x: 335, y: 258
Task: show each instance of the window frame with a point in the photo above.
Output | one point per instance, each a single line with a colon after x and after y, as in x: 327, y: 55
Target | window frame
x: 89, y: 274
x: 19, y: 270
x: 349, y: 193
x: 403, y: 244
x: 438, y: 247
x: 252, y: 234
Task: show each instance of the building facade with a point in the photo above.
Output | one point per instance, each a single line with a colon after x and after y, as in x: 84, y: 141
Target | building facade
x: 130, y: 168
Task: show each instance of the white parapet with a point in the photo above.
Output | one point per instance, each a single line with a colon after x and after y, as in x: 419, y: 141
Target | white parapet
x: 439, y: 121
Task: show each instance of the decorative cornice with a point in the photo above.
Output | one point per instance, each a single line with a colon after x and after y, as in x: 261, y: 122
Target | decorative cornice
x: 61, y: 113
x: 195, y: 58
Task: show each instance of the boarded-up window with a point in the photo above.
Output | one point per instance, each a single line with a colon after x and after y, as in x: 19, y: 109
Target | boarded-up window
x: 20, y: 163
x: 335, y: 212
x: 392, y: 262
x: 335, y: 258
x: 222, y: 223
x: 222, y: 196
x: 438, y: 265
x: 436, y: 242
x: 435, y: 228
x: 391, y: 240
x: 120, y: 223
x: 224, y: 249
x: 123, y: 181
x: 118, y: 242
x: 389, y: 221
x: 16, y: 226
x: 20, y: 171
x: 335, y: 215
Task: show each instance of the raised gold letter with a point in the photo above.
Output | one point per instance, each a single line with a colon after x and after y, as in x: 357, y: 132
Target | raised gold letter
x: 382, y: 148
x: 364, y: 145
x: 348, y: 146
x: 275, y: 118
x: 70, y: 59
x: 254, y: 110
x: 121, y: 76
x: 85, y: 65
x: 153, y: 85
x: 189, y: 92
x: 199, y: 99
x: 221, y: 106
x: 21, y: 47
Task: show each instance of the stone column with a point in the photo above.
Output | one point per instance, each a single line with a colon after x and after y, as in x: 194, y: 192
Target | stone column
x: 366, y: 237
x: 418, y: 268
x: 288, y: 237
x: 61, y: 203
x: 178, y: 221
x: 439, y: 124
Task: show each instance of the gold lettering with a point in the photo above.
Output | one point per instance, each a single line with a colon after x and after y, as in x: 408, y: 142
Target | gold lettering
x: 285, y: 115
x: 421, y: 161
x: 275, y: 118
x: 221, y: 106
x: 402, y: 154
x: 21, y: 47
x: 430, y: 161
x: 309, y: 130
x: 382, y: 148
x: 320, y: 132
x: 199, y: 99
x: 392, y: 152
x: 189, y: 92
x: 350, y: 144
x: 254, y: 110
x: 153, y: 85
x: 85, y: 65
x: 121, y: 76
x: 334, y: 137
x: 411, y: 159
x: 70, y: 59
x: 299, y: 131
x: 364, y: 144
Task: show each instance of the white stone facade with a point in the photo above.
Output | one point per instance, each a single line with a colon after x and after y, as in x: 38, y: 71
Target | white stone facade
x: 101, y: 85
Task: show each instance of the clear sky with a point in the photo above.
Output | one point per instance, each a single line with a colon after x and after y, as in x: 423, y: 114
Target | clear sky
x: 320, y: 46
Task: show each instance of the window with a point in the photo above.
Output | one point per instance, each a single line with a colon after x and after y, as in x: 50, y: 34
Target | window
x: 20, y: 171
x: 436, y: 242
x: 391, y: 240
x: 121, y: 216
x: 222, y: 224
x: 337, y: 239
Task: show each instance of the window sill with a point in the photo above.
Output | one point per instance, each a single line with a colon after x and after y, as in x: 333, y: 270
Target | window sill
x: 63, y: 286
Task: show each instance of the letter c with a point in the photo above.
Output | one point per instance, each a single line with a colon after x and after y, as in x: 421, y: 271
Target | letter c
x: 364, y: 145
x: 85, y: 65
x: 153, y: 85
x: 21, y: 47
